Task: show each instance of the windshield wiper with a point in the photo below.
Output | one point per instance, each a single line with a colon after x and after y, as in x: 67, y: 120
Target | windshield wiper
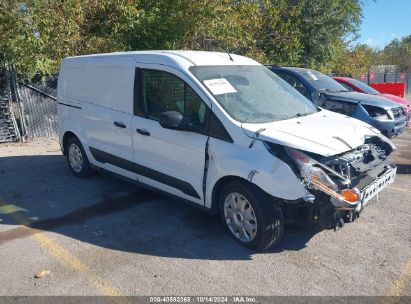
x: 300, y: 115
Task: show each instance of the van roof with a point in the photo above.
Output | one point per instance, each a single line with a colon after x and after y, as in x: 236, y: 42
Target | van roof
x: 172, y: 57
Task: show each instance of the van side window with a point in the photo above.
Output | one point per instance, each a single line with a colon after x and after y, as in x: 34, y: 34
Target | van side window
x: 163, y: 91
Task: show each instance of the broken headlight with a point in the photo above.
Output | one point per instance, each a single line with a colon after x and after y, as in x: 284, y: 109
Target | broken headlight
x: 315, y: 177
x: 378, y: 113
x: 309, y: 172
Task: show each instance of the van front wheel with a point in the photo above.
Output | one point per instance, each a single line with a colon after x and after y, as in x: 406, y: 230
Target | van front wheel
x: 77, y: 158
x: 251, y: 216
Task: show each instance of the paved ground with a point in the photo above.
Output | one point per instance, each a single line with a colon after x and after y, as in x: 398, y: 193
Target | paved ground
x: 102, y: 236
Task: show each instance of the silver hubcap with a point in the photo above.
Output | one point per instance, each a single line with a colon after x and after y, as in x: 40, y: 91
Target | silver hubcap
x: 75, y: 158
x: 240, y: 217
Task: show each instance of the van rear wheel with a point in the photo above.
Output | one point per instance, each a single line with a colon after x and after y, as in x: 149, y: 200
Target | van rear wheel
x: 251, y: 216
x: 77, y: 158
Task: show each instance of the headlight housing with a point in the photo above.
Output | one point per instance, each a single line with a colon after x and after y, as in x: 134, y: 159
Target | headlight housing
x: 378, y: 113
x: 317, y: 178
x: 314, y: 176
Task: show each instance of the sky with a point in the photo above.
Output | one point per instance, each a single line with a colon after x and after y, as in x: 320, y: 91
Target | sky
x: 384, y: 20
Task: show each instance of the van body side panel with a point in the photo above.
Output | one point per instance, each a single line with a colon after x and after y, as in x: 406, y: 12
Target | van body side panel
x: 104, y: 136
x: 68, y: 109
x: 103, y: 89
x: 254, y: 164
x: 68, y: 120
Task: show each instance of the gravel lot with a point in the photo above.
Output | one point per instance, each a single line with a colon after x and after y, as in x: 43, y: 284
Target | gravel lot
x: 103, y: 236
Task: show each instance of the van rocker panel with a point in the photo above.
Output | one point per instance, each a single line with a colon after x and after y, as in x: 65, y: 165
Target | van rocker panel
x: 105, y: 157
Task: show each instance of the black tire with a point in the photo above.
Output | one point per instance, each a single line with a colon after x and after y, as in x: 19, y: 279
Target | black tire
x: 86, y: 170
x: 269, y: 217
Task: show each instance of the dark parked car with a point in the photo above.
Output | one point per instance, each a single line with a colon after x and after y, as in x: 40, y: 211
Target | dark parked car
x: 322, y: 90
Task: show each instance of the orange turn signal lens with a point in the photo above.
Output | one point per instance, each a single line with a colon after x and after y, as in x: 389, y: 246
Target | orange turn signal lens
x: 350, y: 195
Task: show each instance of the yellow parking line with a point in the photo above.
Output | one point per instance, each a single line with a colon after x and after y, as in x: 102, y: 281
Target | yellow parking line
x: 64, y: 257
x: 69, y: 261
x: 400, y: 284
x: 399, y: 189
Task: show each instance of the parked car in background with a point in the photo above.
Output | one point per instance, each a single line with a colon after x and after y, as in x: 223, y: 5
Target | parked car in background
x: 222, y: 132
x: 323, y: 91
x: 354, y: 85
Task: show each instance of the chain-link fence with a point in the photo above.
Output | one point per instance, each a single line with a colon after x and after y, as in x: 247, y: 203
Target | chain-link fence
x: 39, y: 111
x: 26, y: 111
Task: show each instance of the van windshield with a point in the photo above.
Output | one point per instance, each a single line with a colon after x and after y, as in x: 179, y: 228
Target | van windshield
x: 252, y: 94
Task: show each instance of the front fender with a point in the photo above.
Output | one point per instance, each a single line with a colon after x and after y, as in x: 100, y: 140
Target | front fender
x: 256, y: 165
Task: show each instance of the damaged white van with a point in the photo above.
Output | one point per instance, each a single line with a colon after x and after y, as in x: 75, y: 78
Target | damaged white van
x: 223, y: 132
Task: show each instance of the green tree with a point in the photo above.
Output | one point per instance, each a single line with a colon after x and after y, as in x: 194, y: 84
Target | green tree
x: 398, y: 52
x: 37, y: 34
x: 358, y: 59
x: 326, y: 27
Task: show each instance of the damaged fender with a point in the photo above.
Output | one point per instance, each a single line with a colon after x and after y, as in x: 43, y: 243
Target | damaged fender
x: 256, y: 165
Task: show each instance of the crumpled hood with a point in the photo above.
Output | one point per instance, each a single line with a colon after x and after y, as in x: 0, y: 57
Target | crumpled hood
x: 366, y: 99
x: 325, y: 133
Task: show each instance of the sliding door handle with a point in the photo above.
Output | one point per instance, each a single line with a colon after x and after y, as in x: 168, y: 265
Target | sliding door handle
x: 119, y: 124
x: 143, y: 132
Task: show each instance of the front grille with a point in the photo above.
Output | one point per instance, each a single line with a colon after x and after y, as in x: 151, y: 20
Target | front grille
x: 364, y: 180
x: 368, y: 179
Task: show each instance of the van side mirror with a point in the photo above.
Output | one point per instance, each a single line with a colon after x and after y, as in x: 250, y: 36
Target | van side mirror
x: 172, y: 120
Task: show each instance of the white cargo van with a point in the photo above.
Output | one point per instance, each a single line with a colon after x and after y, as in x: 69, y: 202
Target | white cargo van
x: 223, y: 132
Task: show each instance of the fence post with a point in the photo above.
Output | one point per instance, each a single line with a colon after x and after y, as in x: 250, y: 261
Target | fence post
x: 368, y: 77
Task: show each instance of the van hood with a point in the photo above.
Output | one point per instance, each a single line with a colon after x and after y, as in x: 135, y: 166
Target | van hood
x: 325, y: 133
x: 362, y: 98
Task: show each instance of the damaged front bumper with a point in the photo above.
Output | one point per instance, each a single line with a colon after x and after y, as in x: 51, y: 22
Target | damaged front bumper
x: 375, y: 186
x: 337, y: 197
x: 331, y: 212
